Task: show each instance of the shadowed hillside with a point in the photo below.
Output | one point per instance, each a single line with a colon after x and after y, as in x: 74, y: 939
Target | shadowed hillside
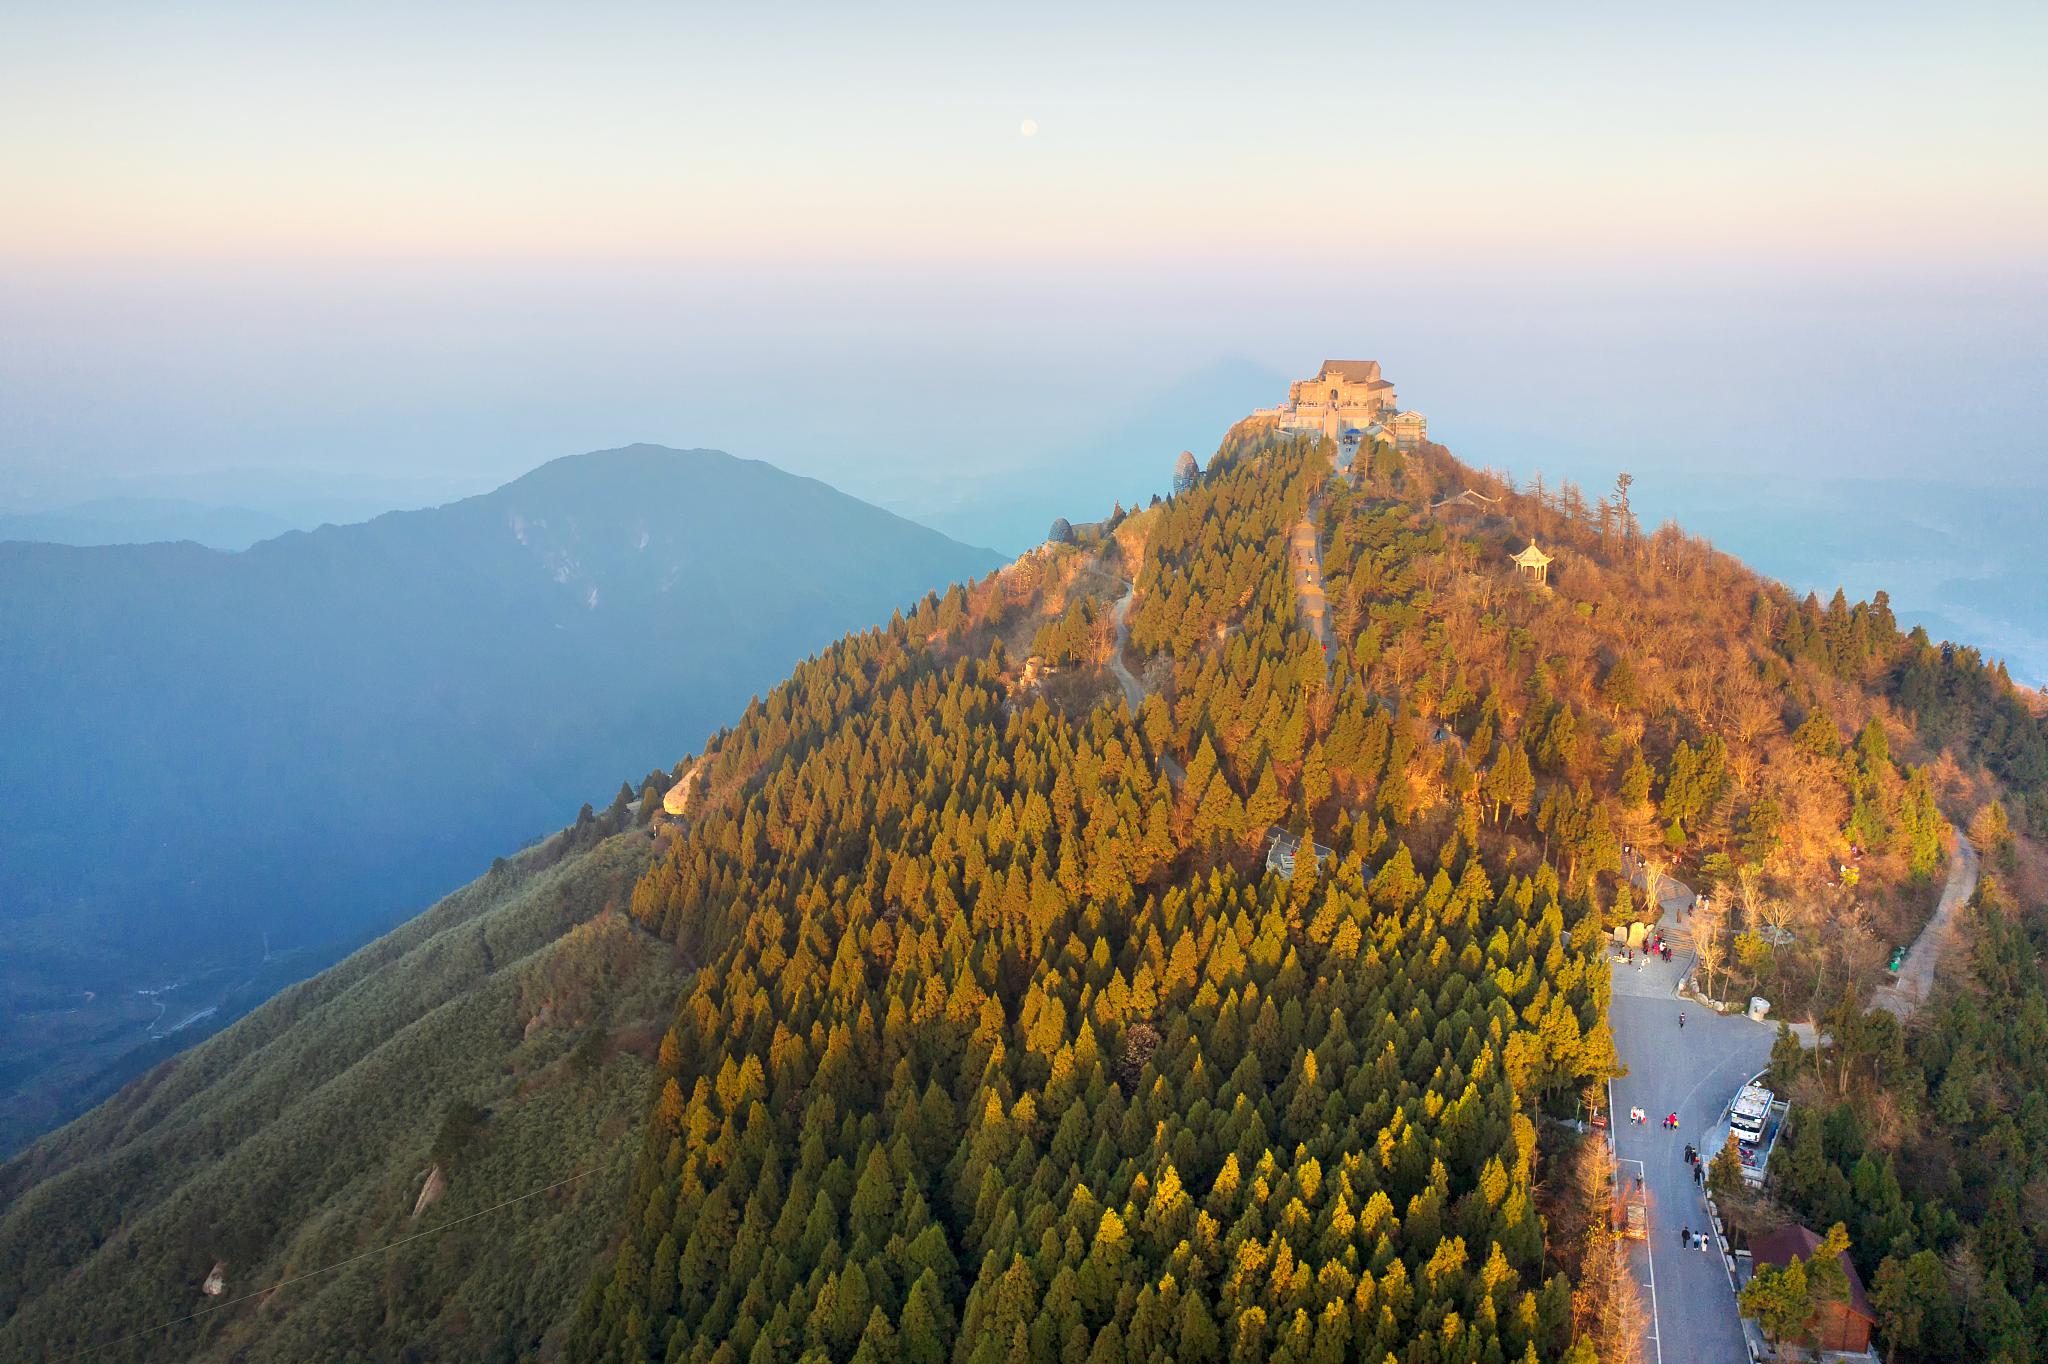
x: 307, y: 738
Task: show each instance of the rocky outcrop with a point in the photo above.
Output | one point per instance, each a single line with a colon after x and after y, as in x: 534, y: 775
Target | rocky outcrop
x: 431, y: 1191
x: 677, y: 801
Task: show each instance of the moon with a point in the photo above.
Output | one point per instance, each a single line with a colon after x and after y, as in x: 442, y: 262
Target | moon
x: 1029, y: 127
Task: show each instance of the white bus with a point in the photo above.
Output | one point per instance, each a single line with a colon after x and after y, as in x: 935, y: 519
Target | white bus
x: 1747, y: 1114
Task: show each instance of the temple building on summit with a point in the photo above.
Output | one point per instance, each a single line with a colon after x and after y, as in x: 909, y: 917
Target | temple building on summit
x: 1348, y: 398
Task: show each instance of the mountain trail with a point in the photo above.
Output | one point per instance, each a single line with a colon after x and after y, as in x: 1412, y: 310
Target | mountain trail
x: 1134, y: 690
x: 1915, y: 980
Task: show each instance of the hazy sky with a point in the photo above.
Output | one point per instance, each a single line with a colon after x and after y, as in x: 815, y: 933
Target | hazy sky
x: 753, y: 134
x: 455, y: 240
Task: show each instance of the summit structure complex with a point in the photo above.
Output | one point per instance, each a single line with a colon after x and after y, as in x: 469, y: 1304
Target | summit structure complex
x: 1347, y: 398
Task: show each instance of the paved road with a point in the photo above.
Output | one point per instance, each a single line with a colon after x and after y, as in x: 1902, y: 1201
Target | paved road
x: 1916, y: 972
x: 1694, y: 1072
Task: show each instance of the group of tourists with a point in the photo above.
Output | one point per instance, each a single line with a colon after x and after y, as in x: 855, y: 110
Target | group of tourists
x: 1641, y: 1118
x: 1655, y: 947
x: 1687, y: 1237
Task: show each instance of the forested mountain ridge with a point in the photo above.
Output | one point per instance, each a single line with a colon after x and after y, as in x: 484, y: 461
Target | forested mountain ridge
x: 1004, y: 1044
x: 1142, y: 1102
x: 1000, y: 1042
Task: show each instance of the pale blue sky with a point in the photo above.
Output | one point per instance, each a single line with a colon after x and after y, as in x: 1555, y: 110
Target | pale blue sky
x: 1719, y: 246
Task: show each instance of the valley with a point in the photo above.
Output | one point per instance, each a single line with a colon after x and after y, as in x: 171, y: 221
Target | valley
x: 314, y: 738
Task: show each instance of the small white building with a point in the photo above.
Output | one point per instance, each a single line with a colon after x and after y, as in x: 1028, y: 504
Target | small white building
x: 1283, y: 848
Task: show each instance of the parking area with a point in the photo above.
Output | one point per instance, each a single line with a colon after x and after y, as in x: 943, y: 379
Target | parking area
x: 1693, y: 1070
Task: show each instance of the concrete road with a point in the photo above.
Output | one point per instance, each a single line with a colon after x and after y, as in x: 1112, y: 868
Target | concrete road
x: 1694, y: 1072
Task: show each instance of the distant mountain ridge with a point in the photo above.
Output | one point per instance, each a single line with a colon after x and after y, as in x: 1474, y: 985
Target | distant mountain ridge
x: 211, y: 745
x: 144, y: 520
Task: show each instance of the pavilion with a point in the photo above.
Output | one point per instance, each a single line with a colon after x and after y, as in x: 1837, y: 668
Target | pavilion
x: 1533, y: 564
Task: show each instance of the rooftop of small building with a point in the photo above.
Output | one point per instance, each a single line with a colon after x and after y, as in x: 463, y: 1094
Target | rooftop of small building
x: 1782, y: 1246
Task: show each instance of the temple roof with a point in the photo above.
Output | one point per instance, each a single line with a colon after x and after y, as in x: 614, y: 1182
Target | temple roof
x: 1357, y: 371
x: 1531, y: 557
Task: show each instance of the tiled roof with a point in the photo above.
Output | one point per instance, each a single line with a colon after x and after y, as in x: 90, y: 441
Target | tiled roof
x: 1782, y: 1246
x: 1357, y: 371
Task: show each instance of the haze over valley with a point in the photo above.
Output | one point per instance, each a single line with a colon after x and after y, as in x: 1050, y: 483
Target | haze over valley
x: 227, y: 766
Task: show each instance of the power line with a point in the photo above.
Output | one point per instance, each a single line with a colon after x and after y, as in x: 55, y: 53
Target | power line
x: 324, y: 1269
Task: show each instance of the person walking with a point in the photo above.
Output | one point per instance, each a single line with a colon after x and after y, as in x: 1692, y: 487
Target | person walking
x: 1706, y: 1244
x: 1699, y: 1175
x: 1685, y: 1237
x: 1681, y: 1018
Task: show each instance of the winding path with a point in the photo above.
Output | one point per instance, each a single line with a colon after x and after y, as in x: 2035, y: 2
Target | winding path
x: 1916, y: 973
x: 1307, y: 562
x: 1134, y: 690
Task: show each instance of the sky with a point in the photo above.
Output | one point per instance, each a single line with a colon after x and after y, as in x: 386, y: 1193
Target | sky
x: 989, y: 264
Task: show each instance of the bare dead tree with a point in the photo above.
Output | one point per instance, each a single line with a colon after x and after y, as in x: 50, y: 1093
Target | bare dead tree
x: 1749, y: 882
x: 1607, y: 1307
x: 1710, y: 938
x: 1656, y: 868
